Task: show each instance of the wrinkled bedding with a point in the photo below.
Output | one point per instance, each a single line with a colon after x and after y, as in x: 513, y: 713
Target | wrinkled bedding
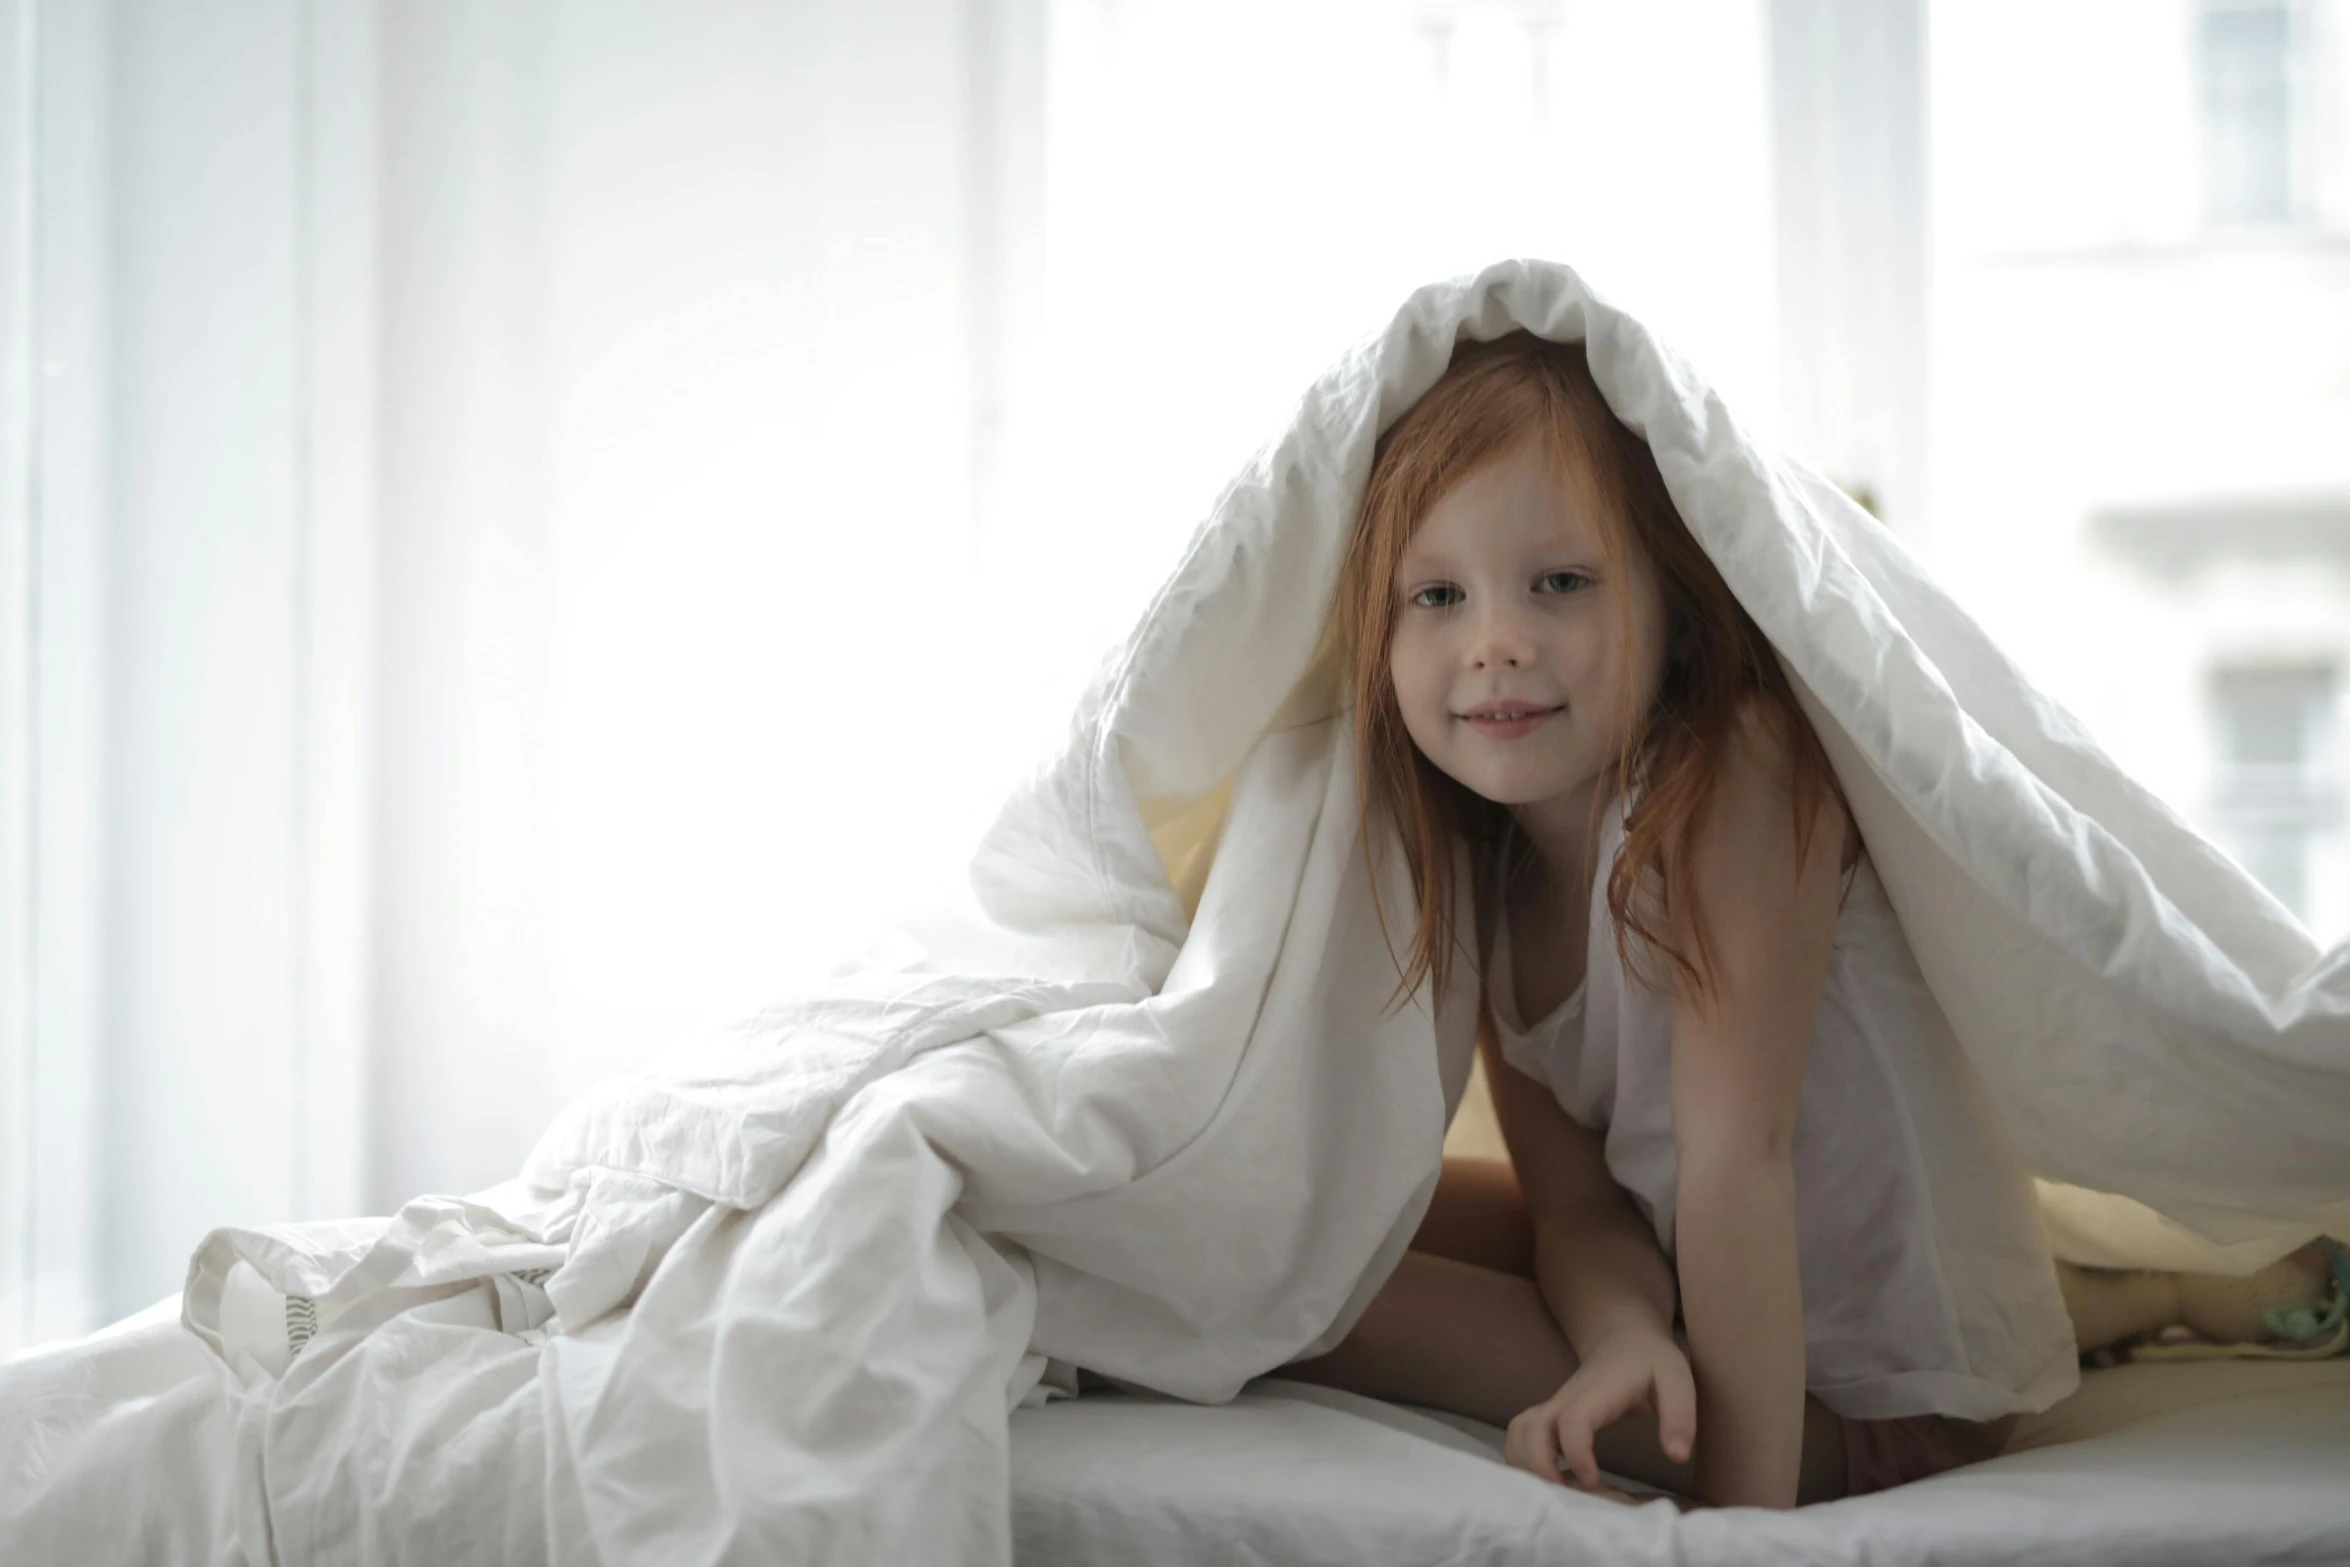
x: 1130, y: 1105
x: 2187, y: 1464
x: 2155, y: 1466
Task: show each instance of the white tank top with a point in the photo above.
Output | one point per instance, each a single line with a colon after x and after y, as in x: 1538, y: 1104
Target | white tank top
x: 1928, y: 1287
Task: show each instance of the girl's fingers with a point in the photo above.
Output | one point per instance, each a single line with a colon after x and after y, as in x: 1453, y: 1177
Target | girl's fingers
x: 1601, y: 1406
x: 1676, y: 1409
x: 1531, y: 1457
x: 1563, y: 1434
x: 1576, y: 1432
x: 1529, y: 1446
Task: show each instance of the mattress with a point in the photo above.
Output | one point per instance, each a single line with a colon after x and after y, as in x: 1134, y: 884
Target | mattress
x: 2199, y: 1465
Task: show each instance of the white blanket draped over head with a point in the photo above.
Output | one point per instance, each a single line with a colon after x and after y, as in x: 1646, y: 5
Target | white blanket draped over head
x: 1132, y: 1106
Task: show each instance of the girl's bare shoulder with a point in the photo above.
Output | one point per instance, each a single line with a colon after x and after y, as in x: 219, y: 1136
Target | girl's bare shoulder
x: 1750, y: 824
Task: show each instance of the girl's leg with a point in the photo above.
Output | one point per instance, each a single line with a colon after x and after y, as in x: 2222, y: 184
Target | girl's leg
x: 2108, y: 1306
x: 1478, y: 1215
x: 1452, y: 1333
x: 1887, y: 1453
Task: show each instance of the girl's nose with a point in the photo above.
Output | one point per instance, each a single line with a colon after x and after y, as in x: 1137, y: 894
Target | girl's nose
x: 1498, y: 640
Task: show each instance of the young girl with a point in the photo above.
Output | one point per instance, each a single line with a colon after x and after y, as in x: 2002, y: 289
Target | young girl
x: 1761, y: 1241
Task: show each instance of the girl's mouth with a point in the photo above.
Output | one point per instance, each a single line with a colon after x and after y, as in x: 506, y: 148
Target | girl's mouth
x: 1511, y: 728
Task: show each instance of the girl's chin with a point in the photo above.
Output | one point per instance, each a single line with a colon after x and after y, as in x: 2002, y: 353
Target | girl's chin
x: 1531, y: 783
x: 1505, y: 791
x: 1520, y: 792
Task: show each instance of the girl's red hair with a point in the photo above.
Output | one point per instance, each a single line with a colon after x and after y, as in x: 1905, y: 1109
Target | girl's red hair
x: 1720, y: 672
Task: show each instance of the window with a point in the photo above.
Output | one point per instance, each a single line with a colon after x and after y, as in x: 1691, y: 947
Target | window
x: 2278, y: 782
x: 2244, y: 53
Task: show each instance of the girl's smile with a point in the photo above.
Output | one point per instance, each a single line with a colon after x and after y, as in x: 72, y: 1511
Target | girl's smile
x: 1509, y: 725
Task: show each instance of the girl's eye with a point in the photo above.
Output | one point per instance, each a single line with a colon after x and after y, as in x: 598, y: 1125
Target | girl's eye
x: 1566, y: 582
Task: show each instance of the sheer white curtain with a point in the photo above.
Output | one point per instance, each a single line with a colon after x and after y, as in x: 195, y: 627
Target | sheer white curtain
x: 488, y: 569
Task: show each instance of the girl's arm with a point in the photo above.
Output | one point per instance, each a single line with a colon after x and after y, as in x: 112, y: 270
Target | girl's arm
x: 1596, y: 1260
x: 1600, y: 1271
x: 1737, y: 1076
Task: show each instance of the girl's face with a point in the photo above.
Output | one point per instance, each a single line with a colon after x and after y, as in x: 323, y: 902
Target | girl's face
x: 1503, y: 596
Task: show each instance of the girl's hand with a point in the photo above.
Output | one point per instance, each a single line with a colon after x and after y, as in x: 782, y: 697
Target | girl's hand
x: 1620, y: 1375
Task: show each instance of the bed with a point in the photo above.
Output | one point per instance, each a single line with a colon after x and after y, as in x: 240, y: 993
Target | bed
x: 2210, y: 1464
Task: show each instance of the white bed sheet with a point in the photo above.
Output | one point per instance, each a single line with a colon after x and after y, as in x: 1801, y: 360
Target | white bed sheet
x: 2196, y: 1465
x: 2202, y: 1465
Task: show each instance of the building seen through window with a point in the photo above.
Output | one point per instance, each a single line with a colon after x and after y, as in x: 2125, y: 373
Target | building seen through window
x: 2245, y: 55
x: 2277, y: 778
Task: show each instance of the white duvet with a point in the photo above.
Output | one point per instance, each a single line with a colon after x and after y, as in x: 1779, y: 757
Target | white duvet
x: 1131, y: 1106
